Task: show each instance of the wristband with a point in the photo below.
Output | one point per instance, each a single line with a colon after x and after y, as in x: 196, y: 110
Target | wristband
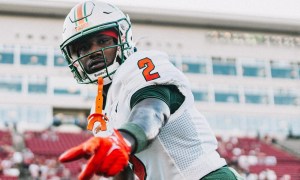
x: 138, y: 133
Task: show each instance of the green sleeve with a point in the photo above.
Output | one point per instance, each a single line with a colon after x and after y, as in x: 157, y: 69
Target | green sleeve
x: 140, y: 133
x: 167, y: 93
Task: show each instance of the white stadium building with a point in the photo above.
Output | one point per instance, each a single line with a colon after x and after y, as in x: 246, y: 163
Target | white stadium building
x: 244, y: 70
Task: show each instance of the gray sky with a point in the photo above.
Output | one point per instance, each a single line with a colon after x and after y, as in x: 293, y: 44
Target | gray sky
x: 262, y: 8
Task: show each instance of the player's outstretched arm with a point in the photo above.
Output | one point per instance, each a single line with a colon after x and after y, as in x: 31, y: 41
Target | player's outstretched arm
x: 110, y: 155
x: 145, y: 121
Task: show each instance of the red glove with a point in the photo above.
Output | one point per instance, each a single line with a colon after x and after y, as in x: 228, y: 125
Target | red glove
x: 108, y: 156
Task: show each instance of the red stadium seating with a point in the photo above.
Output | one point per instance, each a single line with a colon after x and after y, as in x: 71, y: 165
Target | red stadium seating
x: 285, y: 162
x: 5, y: 138
x: 52, y: 147
x: 3, y: 177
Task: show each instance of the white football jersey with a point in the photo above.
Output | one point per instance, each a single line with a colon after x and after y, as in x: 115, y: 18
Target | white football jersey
x: 185, y: 147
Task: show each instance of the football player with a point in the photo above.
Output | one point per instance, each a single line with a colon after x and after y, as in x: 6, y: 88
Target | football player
x: 149, y: 124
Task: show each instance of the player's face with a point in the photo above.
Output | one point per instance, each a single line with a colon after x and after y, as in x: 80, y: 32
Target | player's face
x: 95, y: 61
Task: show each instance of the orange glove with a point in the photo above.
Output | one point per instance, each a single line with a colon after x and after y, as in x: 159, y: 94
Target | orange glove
x: 108, y: 156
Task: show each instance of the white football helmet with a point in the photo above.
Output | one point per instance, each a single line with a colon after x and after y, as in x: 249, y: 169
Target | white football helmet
x: 90, y: 17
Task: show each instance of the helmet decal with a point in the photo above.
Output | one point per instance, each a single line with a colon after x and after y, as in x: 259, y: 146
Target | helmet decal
x: 81, y: 14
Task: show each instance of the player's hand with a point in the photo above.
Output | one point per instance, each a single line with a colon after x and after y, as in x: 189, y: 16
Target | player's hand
x: 108, y: 156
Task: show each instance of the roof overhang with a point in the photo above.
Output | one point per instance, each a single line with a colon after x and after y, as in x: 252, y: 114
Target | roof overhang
x: 59, y: 9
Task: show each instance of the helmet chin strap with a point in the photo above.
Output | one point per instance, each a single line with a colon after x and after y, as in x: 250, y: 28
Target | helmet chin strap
x: 98, y: 116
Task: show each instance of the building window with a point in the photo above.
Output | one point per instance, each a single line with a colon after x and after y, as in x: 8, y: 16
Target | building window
x: 10, y: 84
x: 37, y: 88
x: 200, y: 95
x: 33, y: 59
x: 193, y: 68
x: 285, y: 97
x: 6, y: 54
x: 227, y: 97
x: 222, y: 66
x: 60, y: 61
x: 37, y: 85
x: 256, y: 95
x: 254, y: 71
x: 256, y: 99
x: 194, y: 65
x: 280, y: 69
x: 6, y: 58
x: 253, y: 68
x: 35, y: 56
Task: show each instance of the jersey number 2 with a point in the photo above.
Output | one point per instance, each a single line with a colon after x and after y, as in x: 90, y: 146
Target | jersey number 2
x: 149, y: 66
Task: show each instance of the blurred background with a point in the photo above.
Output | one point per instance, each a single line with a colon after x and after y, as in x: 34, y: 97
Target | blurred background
x: 241, y: 57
